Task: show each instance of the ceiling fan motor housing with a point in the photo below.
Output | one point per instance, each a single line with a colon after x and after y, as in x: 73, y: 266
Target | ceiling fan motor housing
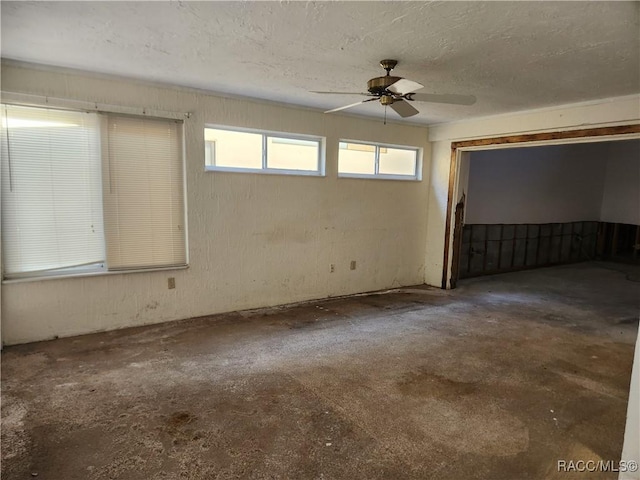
x: 379, y: 85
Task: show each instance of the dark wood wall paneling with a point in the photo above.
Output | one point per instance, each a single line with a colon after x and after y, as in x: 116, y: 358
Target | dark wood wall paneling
x: 489, y: 249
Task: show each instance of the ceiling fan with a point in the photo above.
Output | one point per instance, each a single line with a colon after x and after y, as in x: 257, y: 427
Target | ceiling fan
x: 395, y: 91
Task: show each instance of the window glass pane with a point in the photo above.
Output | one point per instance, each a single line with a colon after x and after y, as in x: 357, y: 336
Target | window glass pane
x: 292, y: 154
x: 51, y: 190
x: 356, y: 158
x: 233, y: 149
x: 397, y: 161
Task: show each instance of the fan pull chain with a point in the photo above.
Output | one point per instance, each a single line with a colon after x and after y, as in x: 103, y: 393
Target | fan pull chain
x: 385, y: 115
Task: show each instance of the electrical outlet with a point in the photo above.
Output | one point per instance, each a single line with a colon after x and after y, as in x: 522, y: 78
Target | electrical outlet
x: 332, y: 268
x: 171, y: 283
x: 353, y: 265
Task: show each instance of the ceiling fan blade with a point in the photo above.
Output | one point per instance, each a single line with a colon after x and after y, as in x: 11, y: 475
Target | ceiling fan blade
x: 341, y: 93
x: 444, y: 98
x: 352, y: 105
x: 404, y: 86
x: 404, y: 109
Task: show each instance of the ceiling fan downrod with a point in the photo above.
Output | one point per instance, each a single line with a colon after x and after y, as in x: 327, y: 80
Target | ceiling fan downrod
x: 388, y: 65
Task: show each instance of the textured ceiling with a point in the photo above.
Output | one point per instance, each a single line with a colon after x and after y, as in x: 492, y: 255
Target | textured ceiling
x: 511, y: 55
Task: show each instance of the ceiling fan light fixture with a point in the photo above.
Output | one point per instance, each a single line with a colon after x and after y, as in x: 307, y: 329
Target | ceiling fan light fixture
x: 386, y: 100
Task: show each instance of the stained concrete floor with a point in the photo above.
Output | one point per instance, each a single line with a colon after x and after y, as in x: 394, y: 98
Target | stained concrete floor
x: 498, y: 379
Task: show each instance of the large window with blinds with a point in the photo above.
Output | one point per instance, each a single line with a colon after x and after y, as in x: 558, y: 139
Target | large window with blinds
x: 89, y: 192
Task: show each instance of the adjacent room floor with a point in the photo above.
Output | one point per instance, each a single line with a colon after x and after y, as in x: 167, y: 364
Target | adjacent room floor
x: 498, y: 379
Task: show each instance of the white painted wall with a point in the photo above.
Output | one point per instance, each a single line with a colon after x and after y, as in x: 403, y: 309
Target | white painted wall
x: 606, y: 112
x: 254, y: 240
x: 621, y: 196
x: 631, y: 448
x: 555, y: 183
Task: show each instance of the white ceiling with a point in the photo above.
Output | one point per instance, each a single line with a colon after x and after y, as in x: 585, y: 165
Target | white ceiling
x: 511, y: 55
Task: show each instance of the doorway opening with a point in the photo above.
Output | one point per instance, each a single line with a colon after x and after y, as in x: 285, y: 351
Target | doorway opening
x: 541, y: 200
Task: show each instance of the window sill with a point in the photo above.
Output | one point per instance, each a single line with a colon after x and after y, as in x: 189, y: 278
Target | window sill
x: 404, y: 178
x: 267, y: 171
x: 94, y: 273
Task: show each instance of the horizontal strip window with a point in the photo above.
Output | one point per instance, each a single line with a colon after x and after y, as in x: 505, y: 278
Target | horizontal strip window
x: 372, y: 160
x: 235, y: 150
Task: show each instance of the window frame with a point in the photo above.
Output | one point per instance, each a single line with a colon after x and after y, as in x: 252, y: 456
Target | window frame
x: 101, y: 268
x: 210, y: 148
x: 417, y: 174
x: 321, y: 160
x: 84, y: 271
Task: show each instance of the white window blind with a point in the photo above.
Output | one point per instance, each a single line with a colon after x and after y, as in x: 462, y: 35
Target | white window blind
x: 51, y: 190
x: 143, y: 193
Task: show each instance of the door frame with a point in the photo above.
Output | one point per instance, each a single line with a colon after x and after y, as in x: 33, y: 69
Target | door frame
x: 620, y: 132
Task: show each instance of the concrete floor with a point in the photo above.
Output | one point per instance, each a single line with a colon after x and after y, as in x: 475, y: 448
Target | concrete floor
x: 498, y: 379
